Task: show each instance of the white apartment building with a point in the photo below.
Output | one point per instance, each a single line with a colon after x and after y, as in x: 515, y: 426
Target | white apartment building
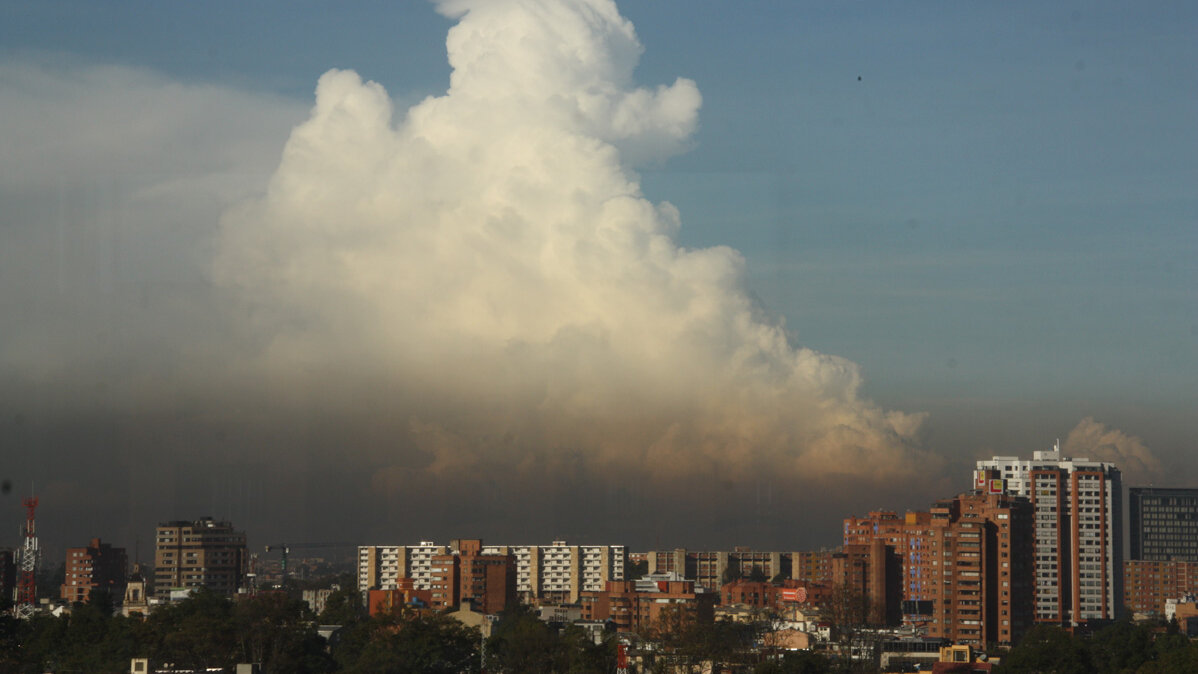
x: 557, y: 572
x: 560, y: 572
x: 1077, y: 506
x: 380, y: 566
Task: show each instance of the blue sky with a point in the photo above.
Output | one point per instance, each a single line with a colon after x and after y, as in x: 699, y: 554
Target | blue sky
x: 990, y: 207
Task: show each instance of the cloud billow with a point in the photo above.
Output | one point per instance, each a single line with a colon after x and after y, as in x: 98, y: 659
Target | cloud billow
x: 486, y: 260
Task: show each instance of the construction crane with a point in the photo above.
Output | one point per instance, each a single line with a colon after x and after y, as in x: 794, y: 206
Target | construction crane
x: 284, y: 549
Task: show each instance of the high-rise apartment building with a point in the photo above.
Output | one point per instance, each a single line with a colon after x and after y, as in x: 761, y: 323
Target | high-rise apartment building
x: 1163, y: 523
x: 204, y: 553
x: 557, y: 572
x: 487, y: 582
x: 873, y: 571
x: 444, y: 582
x: 710, y: 569
x: 380, y: 567
x: 95, y: 566
x: 963, y: 568
x: 1077, y: 509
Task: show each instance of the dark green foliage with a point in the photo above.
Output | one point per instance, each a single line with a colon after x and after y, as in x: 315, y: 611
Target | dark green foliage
x: 722, y: 642
x: 432, y: 644
x: 732, y: 573
x: 342, y: 607
x: 521, y: 642
x: 1122, y: 648
x: 636, y: 570
x: 278, y: 632
x: 195, y: 633
x: 205, y: 630
x: 797, y: 662
x: 1049, y: 649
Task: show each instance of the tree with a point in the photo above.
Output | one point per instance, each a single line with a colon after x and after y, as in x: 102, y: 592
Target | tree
x: 521, y: 642
x: 342, y: 607
x: 101, y: 598
x: 584, y: 656
x: 402, y: 643
x: 1046, y: 648
x: 848, y: 611
x: 195, y: 633
x: 1179, y: 657
x: 277, y: 632
x: 1122, y: 647
x: 732, y: 573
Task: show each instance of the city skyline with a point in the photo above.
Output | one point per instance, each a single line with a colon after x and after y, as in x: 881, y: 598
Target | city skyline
x: 723, y: 273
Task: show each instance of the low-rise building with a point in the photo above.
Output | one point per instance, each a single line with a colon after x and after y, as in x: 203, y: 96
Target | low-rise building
x: 1147, y: 584
x: 404, y: 595
x: 639, y: 606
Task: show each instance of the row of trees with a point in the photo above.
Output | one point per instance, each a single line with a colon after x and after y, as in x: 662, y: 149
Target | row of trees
x: 280, y: 633
x: 1122, y: 648
x: 207, y: 630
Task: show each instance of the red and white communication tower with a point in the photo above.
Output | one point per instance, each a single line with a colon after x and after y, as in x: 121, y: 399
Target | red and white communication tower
x: 26, y: 599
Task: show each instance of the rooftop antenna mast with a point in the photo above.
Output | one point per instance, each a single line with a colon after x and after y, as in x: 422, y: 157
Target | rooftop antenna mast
x: 26, y: 599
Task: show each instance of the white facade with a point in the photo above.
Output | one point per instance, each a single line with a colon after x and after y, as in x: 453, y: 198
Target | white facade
x: 561, y: 570
x: 1077, y: 505
x: 381, y: 566
x: 558, y: 571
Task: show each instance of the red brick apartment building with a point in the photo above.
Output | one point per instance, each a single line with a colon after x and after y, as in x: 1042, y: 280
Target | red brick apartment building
x: 1146, y: 585
x: 487, y: 581
x: 965, y: 567
x: 98, y: 565
x: 634, y: 606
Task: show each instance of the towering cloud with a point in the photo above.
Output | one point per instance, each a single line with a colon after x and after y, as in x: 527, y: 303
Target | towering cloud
x: 468, y: 302
x: 484, y: 268
x: 1097, y: 441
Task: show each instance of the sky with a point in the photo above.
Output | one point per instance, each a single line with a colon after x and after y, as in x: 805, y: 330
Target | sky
x: 680, y: 273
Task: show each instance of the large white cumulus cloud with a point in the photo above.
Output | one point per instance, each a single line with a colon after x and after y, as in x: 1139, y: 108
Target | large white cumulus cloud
x: 1095, y: 440
x: 489, y: 259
